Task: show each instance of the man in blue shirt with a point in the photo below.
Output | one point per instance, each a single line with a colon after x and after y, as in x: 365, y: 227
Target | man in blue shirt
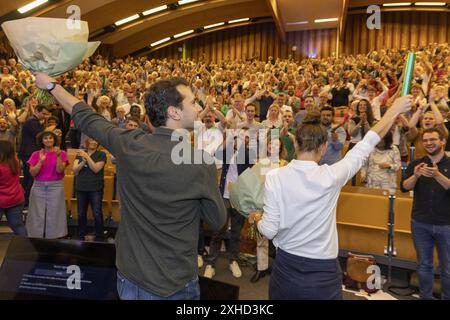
x: 336, y: 137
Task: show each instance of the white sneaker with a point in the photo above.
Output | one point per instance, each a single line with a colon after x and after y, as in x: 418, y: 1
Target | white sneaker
x: 209, y: 272
x: 235, y: 270
x: 200, y: 261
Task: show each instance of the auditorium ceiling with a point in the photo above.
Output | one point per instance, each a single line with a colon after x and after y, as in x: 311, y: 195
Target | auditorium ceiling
x: 185, y: 18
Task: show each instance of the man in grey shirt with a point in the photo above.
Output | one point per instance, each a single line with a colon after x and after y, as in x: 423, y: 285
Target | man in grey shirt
x: 161, y: 202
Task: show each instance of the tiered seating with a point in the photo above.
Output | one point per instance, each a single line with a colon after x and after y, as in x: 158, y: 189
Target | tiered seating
x: 362, y: 221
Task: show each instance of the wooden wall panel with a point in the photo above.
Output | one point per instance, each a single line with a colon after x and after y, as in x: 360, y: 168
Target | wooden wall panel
x: 248, y: 41
x: 398, y: 29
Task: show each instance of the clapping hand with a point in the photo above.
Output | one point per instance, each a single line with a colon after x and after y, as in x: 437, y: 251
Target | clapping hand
x: 426, y: 171
x: 57, y: 151
x: 430, y: 172
x: 83, y: 154
x: 42, y: 156
x: 384, y: 166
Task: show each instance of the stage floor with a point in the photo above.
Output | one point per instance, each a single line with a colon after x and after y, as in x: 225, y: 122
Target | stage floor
x: 248, y: 290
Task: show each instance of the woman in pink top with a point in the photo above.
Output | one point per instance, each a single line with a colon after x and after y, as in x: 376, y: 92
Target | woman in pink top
x: 47, y: 211
x: 11, y: 192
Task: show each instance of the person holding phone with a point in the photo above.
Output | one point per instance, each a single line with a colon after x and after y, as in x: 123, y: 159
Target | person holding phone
x: 429, y: 177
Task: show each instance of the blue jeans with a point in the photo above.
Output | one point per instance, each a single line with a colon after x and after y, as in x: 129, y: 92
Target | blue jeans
x: 15, y: 220
x: 425, y: 237
x: 83, y: 200
x: 129, y: 291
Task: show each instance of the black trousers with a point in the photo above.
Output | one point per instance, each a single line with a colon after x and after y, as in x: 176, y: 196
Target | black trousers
x: 299, y: 278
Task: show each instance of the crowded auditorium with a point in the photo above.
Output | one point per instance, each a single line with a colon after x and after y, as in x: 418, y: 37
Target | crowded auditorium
x: 226, y: 150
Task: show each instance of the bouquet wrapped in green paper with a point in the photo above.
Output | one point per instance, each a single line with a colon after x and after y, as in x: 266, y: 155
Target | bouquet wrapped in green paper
x: 50, y: 45
x: 247, y: 193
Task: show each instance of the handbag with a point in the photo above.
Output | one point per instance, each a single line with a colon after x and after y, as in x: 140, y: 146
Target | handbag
x: 356, y: 275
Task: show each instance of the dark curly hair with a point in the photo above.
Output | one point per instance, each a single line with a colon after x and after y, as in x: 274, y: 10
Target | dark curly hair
x: 160, y: 96
x: 40, y: 139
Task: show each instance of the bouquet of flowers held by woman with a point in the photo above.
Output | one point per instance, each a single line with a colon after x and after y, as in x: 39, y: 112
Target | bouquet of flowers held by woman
x: 50, y: 45
x: 247, y: 193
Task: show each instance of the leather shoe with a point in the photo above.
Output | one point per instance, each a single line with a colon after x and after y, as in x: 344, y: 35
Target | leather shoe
x: 258, y: 275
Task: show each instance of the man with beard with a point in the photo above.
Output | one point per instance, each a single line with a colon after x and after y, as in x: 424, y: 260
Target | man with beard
x: 292, y: 100
x: 336, y: 137
x: 7, y: 134
x: 310, y: 105
x: 429, y: 177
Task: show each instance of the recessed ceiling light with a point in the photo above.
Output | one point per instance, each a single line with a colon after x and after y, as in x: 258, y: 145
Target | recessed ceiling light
x: 183, y: 34
x: 325, y: 20
x: 397, y: 4
x: 31, y: 6
x: 214, y: 25
x: 181, y: 2
x: 154, y: 44
x: 123, y: 21
x: 296, y: 23
x: 431, y: 4
x: 239, y: 20
x: 154, y: 10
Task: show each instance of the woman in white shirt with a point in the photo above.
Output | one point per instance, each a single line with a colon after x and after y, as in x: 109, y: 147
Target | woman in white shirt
x: 273, y: 117
x: 380, y: 170
x: 300, y: 210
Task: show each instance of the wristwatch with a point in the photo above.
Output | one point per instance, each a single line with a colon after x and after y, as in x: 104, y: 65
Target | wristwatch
x: 51, y: 86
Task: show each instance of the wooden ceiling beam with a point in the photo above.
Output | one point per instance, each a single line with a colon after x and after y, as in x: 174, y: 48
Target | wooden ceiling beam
x: 343, y: 19
x: 279, y: 23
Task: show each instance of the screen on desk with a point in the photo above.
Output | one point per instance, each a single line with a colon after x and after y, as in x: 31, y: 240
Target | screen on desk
x: 70, y: 269
x: 58, y: 269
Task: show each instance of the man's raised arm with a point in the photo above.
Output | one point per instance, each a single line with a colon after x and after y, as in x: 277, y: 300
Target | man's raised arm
x: 89, y: 122
x: 65, y: 99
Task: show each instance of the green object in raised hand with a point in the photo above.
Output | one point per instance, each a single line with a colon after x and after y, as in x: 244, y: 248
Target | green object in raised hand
x: 409, y: 71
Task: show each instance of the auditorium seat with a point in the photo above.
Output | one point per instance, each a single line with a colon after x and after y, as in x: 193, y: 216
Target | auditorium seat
x: 68, y: 190
x: 399, y: 178
x: 108, y: 193
x: 115, y: 211
x: 71, y: 157
x: 403, y: 242
x: 362, y: 216
x: 106, y: 201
